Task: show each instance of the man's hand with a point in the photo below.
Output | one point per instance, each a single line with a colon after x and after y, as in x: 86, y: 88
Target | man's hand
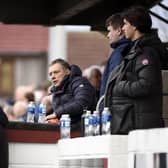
x: 51, y: 116
x: 52, y: 119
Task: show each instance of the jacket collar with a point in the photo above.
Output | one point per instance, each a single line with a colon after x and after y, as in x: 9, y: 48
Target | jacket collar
x: 135, y: 50
x: 61, y: 88
x: 119, y: 42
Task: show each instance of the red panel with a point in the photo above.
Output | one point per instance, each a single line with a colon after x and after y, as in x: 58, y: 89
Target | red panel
x: 36, y: 136
x: 105, y: 163
x: 33, y: 136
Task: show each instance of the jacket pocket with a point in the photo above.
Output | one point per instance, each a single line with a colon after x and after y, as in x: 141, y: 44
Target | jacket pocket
x: 122, y: 119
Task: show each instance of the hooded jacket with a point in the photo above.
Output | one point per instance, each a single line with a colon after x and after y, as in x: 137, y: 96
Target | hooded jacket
x: 134, y: 91
x: 115, y: 59
x: 74, y: 95
x: 152, y: 40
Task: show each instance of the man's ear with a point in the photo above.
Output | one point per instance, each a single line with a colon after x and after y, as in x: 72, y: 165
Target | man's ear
x: 120, y: 32
x: 67, y: 71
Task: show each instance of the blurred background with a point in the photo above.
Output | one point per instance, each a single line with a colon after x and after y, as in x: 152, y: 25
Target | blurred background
x: 32, y: 34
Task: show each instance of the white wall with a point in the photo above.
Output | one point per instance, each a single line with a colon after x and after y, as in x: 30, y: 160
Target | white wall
x: 29, y: 155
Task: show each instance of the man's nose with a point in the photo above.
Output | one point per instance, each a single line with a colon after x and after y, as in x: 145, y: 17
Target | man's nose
x: 52, y: 77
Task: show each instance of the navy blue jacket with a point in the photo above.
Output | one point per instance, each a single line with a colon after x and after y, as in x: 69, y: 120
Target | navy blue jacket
x: 114, y: 60
x: 73, y: 95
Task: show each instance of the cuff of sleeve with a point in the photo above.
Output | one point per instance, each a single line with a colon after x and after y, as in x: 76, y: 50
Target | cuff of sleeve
x: 59, y: 112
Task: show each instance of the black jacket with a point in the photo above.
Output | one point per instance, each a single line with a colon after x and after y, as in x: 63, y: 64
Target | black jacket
x: 134, y: 91
x: 3, y: 140
x: 3, y: 119
x: 74, y: 95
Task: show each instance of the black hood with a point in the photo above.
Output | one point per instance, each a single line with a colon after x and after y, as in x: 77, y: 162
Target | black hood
x: 75, y: 71
x: 152, y: 40
x: 3, y: 118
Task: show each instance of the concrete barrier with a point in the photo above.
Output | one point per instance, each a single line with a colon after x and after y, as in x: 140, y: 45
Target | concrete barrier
x: 106, y: 151
x: 148, y: 148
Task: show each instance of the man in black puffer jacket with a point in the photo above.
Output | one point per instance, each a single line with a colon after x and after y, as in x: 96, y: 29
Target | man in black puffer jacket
x: 134, y: 90
x: 3, y: 140
x: 71, y: 93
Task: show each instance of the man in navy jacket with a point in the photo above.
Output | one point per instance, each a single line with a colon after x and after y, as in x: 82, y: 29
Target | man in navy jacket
x: 71, y: 93
x: 118, y: 43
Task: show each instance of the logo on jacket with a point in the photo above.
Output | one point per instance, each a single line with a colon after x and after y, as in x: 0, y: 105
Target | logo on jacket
x: 81, y: 85
x: 145, y: 61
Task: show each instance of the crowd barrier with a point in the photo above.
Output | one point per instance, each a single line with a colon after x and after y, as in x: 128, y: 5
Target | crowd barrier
x: 39, y: 147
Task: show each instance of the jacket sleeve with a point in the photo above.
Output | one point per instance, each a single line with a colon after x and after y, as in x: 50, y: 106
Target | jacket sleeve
x: 145, y: 79
x: 3, y: 118
x: 83, y: 97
